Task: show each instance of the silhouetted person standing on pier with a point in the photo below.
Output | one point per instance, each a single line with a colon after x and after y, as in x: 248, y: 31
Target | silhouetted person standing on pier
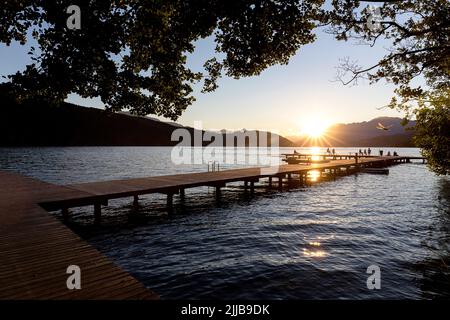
x: 381, y: 153
x: 369, y: 151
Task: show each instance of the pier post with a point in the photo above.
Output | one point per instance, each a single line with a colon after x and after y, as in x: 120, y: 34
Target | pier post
x: 218, y: 193
x: 65, y: 213
x: 136, y: 201
x: 280, y: 182
x: 170, y: 203
x: 252, y: 186
x: 97, y: 213
x: 270, y: 182
x: 182, y: 194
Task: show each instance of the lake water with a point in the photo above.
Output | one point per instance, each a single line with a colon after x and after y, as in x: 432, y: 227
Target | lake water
x: 311, y: 242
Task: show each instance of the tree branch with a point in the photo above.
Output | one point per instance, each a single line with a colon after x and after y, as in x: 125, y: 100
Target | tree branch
x: 358, y: 73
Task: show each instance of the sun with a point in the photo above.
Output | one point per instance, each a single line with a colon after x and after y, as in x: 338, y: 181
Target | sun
x: 316, y: 130
x: 314, y: 127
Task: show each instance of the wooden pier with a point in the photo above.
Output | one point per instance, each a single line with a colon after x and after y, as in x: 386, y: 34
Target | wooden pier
x: 36, y: 249
x: 97, y: 194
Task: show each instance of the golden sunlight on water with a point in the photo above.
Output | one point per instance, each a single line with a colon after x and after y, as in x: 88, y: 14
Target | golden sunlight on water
x: 314, y: 175
x: 315, y: 250
x: 314, y: 253
x: 314, y: 151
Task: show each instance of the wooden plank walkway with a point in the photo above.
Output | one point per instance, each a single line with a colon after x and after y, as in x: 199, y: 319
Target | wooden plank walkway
x: 172, y: 183
x: 36, y: 249
x: 98, y: 193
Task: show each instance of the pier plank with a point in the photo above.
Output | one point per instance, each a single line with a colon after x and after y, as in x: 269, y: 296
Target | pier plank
x: 36, y: 249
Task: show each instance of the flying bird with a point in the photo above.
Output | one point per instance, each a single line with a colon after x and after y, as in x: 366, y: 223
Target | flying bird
x: 380, y: 126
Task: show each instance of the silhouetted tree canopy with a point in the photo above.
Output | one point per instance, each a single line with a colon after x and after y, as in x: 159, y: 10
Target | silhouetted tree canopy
x: 132, y: 54
x: 417, y: 61
x: 433, y: 131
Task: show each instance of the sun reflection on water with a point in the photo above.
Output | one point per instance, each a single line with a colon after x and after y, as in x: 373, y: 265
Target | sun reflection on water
x: 314, y: 253
x: 314, y: 152
x: 314, y: 175
x: 314, y: 249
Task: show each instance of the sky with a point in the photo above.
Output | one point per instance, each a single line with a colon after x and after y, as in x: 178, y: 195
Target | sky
x: 282, y: 99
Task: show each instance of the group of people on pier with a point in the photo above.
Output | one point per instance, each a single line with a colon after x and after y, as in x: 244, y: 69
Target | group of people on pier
x: 395, y: 154
x: 364, y: 152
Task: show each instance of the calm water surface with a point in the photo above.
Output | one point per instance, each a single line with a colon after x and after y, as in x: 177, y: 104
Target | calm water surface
x: 303, y: 243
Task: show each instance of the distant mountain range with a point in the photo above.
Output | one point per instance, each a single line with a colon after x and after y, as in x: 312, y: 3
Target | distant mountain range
x: 72, y: 125
x: 364, y: 134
